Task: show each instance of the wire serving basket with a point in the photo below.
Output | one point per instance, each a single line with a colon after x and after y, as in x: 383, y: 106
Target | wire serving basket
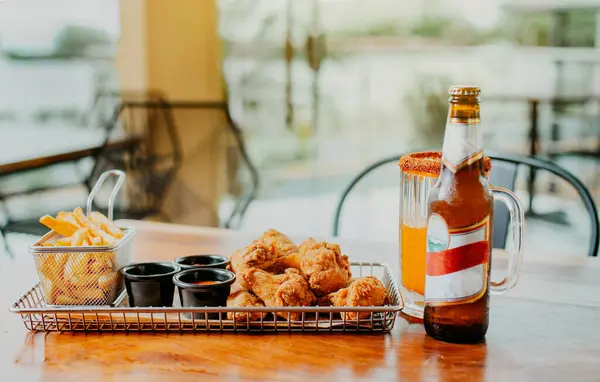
x: 82, y: 275
x: 37, y: 315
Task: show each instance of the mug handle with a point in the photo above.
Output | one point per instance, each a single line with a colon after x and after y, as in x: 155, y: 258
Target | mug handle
x: 517, y: 220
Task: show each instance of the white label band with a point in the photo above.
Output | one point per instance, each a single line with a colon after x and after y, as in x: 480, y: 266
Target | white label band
x: 457, y: 262
x: 462, y: 145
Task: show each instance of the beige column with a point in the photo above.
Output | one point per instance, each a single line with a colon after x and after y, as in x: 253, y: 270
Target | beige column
x: 173, y: 47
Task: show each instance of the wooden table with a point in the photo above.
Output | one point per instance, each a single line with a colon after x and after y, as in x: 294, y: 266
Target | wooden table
x: 546, y: 329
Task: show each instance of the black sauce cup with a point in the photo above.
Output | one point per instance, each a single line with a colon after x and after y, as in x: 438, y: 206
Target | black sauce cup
x: 202, y: 261
x: 193, y: 294
x: 150, y: 284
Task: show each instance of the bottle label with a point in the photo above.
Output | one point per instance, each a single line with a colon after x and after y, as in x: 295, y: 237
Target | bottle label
x: 462, y: 145
x: 457, y: 262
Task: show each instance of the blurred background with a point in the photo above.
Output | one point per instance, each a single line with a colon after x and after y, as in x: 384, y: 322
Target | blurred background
x: 252, y: 114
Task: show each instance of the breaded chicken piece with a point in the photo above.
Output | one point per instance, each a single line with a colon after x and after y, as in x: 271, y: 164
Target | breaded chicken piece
x: 289, y: 256
x: 285, y: 262
x: 293, y: 260
x: 244, y: 298
x: 305, y: 245
x: 287, y: 289
x: 325, y: 268
x: 366, y: 291
x: 255, y: 255
x: 278, y: 243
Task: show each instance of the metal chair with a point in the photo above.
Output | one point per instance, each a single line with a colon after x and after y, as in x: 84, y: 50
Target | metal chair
x: 153, y: 172
x: 144, y: 118
x: 504, y: 174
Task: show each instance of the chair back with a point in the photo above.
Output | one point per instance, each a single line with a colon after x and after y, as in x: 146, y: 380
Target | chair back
x: 151, y: 168
x: 509, y: 165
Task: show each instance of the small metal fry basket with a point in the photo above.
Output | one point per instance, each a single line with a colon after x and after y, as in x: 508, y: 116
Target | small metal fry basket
x: 83, y: 275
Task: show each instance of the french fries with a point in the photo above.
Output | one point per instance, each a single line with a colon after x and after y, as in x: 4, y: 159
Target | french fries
x: 106, y: 224
x: 63, y: 227
x: 80, y: 237
x: 64, y: 242
x: 80, y: 230
x: 80, y: 278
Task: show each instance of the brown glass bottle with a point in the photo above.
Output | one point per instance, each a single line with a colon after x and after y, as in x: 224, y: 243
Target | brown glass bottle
x: 460, y: 217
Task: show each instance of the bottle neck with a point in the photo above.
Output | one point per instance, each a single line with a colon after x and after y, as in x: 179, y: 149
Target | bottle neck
x: 463, y: 142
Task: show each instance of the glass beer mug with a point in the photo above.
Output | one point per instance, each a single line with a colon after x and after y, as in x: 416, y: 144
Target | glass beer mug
x: 419, y: 173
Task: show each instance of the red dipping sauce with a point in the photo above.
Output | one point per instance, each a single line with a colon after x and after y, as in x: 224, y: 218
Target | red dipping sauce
x: 207, y: 282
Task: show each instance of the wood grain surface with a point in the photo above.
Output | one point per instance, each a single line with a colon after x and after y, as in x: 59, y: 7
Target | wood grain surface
x: 546, y: 329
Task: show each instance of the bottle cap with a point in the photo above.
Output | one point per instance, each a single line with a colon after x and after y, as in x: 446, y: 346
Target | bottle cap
x: 464, y: 91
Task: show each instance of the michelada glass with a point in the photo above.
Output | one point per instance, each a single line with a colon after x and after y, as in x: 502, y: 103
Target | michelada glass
x: 419, y: 173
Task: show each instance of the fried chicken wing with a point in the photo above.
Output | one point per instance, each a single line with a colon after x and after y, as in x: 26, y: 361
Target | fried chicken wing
x: 285, y: 262
x: 305, y: 245
x: 287, y: 289
x: 292, y: 260
x: 255, y: 255
x: 325, y: 268
x: 278, y: 243
x: 366, y: 291
x: 244, y: 298
x: 283, y: 249
x: 288, y: 254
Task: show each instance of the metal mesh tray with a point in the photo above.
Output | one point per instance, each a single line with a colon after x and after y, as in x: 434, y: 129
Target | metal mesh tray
x: 38, y: 316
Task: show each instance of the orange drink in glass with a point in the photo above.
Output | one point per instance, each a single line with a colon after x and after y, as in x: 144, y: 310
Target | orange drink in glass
x: 413, y: 264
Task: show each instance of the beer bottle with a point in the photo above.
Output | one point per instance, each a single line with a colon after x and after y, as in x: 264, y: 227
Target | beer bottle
x: 459, y: 226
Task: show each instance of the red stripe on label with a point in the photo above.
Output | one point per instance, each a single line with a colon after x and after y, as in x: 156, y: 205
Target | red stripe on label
x: 457, y: 259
